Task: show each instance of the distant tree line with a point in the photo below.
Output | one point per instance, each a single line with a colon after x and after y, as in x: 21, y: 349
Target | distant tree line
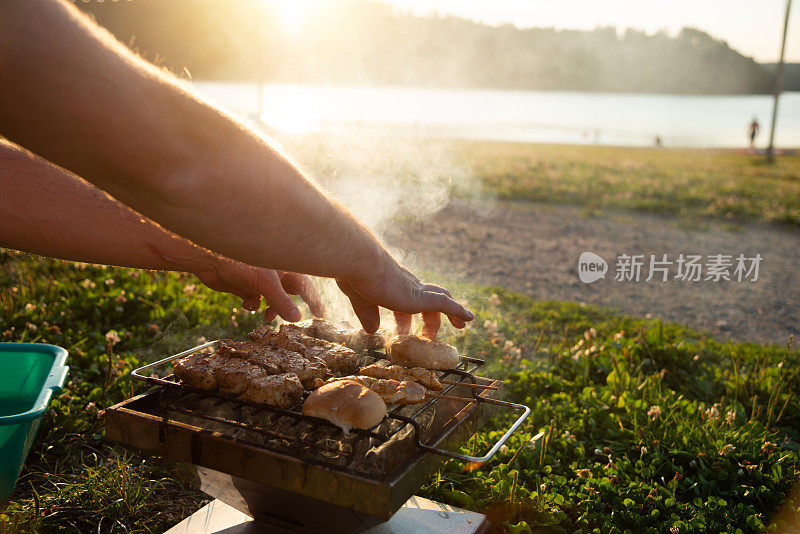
x: 371, y: 43
x: 791, y: 75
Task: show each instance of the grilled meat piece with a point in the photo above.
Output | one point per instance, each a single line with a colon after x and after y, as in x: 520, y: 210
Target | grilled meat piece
x: 310, y: 370
x: 338, y: 358
x: 337, y: 332
x: 259, y: 332
x: 391, y: 391
x: 283, y: 390
x: 197, y: 371
x: 425, y: 377
x: 234, y: 374
x: 242, y: 349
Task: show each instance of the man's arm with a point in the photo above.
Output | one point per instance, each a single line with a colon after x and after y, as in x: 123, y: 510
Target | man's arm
x: 46, y: 210
x: 74, y: 95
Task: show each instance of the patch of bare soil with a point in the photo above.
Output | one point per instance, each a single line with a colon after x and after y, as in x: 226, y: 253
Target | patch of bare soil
x: 534, y: 249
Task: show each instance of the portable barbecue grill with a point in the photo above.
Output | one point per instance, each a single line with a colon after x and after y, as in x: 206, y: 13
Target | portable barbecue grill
x: 299, y: 473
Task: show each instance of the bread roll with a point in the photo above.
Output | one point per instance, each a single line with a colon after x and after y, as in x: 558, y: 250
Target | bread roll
x: 413, y: 351
x: 346, y: 404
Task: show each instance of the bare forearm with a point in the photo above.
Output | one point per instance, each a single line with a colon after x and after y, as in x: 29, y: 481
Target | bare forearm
x: 73, y: 95
x: 46, y: 210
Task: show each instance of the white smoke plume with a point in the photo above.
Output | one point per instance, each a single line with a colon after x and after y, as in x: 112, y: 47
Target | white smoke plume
x: 385, y: 179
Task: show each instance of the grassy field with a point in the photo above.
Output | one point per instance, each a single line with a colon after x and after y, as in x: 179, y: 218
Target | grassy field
x: 693, y: 184
x: 646, y: 425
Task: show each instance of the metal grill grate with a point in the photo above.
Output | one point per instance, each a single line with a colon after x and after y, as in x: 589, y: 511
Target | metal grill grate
x: 309, y: 432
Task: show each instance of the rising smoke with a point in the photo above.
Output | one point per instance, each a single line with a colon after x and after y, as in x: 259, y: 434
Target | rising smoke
x: 386, y: 179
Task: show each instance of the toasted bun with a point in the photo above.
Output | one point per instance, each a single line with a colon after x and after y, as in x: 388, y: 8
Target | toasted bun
x: 413, y: 351
x: 346, y: 404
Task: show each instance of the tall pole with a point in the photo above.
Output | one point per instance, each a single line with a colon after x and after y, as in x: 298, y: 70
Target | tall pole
x: 778, y: 83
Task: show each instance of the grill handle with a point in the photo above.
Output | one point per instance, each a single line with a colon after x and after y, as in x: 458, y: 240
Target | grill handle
x: 463, y: 457
x: 139, y: 373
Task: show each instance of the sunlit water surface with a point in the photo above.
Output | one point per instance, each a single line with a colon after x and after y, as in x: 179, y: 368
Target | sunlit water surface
x: 528, y: 116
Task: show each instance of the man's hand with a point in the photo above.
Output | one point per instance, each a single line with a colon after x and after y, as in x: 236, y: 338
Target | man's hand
x: 396, y: 288
x: 252, y: 283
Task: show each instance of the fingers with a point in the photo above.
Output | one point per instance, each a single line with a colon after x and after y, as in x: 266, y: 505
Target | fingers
x: 437, y: 289
x: 435, y: 322
x: 269, y: 285
x: 429, y: 299
x: 403, y: 322
x: 302, y: 285
x: 455, y: 321
x: 270, y: 314
x: 435, y: 298
x: 250, y: 284
x: 367, y: 313
x: 431, y: 321
x: 251, y: 302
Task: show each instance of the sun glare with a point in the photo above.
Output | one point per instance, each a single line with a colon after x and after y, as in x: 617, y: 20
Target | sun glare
x: 294, y: 12
x: 290, y: 110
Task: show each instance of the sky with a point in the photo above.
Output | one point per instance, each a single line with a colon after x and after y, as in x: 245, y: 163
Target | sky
x: 751, y: 26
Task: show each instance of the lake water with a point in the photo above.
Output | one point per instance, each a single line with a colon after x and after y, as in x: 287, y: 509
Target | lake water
x: 529, y: 116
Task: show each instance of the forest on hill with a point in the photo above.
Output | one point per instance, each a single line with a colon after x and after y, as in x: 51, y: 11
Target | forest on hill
x: 791, y: 75
x: 347, y: 42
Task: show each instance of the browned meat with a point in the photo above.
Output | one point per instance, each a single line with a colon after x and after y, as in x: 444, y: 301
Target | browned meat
x: 306, y: 327
x: 284, y: 390
x: 426, y: 377
x: 235, y: 373
x: 197, y: 371
x: 391, y: 391
x: 310, y: 371
x: 259, y: 332
x: 342, y: 333
x: 247, y: 350
x: 338, y: 358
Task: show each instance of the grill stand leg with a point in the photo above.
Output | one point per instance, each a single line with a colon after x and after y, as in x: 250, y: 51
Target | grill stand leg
x: 417, y: 515
x: 244, y: 507
x: 284, y: 511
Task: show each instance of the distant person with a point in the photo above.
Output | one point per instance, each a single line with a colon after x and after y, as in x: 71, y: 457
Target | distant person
x: 752, y: 132
x: 658, y: 142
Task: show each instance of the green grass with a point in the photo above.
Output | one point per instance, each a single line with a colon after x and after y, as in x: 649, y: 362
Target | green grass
x: 646, y: 425
x: 690, y: 184
x: 73, y: 479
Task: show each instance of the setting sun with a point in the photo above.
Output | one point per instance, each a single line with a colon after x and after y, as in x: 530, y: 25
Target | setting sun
x: 294, y: 13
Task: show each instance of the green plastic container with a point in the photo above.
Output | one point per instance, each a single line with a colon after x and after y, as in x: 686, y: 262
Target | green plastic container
x: 30, y: 374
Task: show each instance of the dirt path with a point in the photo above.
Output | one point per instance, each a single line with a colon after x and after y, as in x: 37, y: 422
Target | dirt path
x: 534, y: 249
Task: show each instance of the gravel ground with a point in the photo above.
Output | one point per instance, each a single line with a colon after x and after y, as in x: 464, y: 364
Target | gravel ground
x: 534, y: 249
